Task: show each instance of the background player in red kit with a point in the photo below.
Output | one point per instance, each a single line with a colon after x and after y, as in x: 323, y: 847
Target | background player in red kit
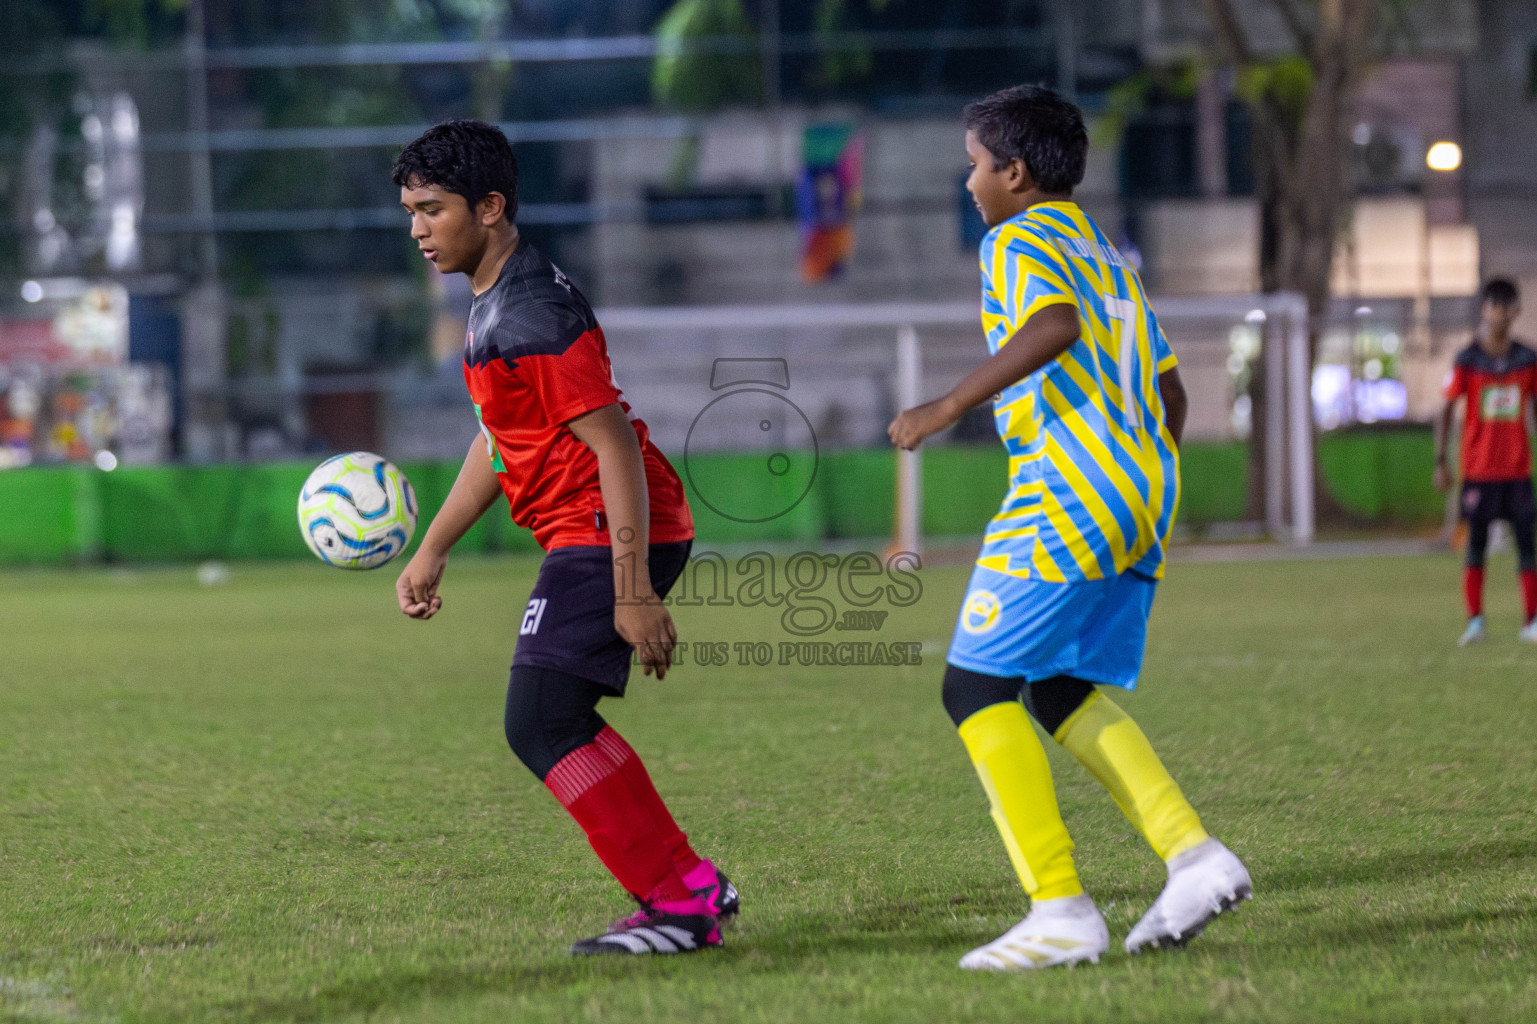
x: 1497, y: 376
x: 578, y: 469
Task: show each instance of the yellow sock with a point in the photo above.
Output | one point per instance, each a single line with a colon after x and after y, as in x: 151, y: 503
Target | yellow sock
x: 1012, y: 765
x: 1114, y: 750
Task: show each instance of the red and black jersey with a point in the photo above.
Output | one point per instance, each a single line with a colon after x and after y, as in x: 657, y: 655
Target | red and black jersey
x: 535, y: 359
x: 1494, y: 441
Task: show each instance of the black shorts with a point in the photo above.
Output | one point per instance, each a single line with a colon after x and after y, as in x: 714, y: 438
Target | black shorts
x: 568, y: 624
x: 1510, y: 500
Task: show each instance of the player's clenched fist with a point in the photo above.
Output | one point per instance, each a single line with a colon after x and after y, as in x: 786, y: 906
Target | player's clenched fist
x: 647, y: 626
x: 417, y: 587
x: 911, y: 427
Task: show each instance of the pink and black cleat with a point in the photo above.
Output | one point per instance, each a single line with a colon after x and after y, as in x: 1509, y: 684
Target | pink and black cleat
x: 710, y: 882
x: 652, y: 930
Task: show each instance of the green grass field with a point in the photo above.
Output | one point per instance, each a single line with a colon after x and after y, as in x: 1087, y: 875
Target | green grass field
x: 279, y: 800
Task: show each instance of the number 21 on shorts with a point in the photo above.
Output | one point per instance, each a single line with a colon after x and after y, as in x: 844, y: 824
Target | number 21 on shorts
x: 532, y: 615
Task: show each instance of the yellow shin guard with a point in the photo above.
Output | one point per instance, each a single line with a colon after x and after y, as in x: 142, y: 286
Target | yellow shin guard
x: 1114, y: 750
x: 1012, y: 765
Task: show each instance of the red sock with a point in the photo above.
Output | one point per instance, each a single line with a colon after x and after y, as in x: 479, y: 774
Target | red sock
x: 639, y: 781
x: 1473, y: 589
x: 617, y: 823
x: 1529, y: 593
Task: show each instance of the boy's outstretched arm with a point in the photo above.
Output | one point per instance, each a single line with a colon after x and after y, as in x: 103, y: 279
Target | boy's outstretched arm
x: 1044, y: 337
x: 1176, y: 404
x: 639, y: 615
x: 473, y: 492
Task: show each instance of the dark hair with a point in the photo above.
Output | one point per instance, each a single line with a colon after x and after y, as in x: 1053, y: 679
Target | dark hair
x: 466, y: 157
x: 1033, y: 124
x: 1500, y: 291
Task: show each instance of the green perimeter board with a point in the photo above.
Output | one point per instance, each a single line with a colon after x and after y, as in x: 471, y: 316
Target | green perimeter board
x: 1383, y: 476
x: 50, y: 515
x: 178, y: 513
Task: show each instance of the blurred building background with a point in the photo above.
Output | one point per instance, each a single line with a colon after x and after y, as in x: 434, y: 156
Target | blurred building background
x: 205, y: 261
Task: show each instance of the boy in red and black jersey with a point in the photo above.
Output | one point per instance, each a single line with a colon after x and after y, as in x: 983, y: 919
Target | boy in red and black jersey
x: 535, y: 360
x: 1497, y: 376
x: 579, y: 470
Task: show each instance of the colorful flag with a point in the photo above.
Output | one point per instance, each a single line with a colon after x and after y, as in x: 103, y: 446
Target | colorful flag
x: 827, y: 197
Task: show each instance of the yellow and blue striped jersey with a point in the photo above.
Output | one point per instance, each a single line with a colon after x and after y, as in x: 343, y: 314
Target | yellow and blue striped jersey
x: 1093, y: 470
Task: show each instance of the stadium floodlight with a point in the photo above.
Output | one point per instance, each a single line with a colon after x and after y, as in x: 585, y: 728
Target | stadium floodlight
x: 909, y: 351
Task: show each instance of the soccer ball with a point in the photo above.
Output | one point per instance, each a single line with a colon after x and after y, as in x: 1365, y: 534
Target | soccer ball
x: 357, y: 511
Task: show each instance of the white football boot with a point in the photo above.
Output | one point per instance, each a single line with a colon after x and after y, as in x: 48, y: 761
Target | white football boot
x: 1061, y: 931
x: 1204, y: 881
x: 1475, y: 632
x: 1528, y: 633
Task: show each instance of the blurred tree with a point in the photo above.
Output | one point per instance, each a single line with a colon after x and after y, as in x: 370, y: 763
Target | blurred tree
x: 689, y: 78
x: 1301, y: 105
x: 38, y: 29
x: 693, y: 79
x: 1132, y: 96
x: 696, y: 78
x: 491, y: 77
x: 840, y: 62
x: 345, y: 96
x: 305, y: 97
x: 699, y: 79
x: 309, y: 97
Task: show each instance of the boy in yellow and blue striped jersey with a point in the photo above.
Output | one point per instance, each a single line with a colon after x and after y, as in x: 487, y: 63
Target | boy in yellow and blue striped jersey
x: 1087, y: 400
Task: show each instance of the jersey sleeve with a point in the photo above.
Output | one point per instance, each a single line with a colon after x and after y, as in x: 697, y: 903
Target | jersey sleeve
x: 571, y: 383
x: 1027, y: 273
x: 1163, y: 352
x: 1456, y: 384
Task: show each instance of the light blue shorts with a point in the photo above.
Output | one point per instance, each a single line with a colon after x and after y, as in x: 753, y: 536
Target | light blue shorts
x: 1095, y: 630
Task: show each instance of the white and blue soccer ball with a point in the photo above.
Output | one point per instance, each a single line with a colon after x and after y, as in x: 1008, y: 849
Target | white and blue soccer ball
x: 357, y: 511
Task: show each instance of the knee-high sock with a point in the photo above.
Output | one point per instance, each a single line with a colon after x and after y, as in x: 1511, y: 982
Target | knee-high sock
x: 1473, y: 589
x: 1528, y: 594
x: 617, y: 823
x: 1012, y: 765
x: 1109, y: 744
x: 639, y: 780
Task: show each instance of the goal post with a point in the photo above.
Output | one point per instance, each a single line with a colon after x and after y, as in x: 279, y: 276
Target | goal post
x: 1283, y: 320
x: 907, y: 532
x: 865, y: 360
